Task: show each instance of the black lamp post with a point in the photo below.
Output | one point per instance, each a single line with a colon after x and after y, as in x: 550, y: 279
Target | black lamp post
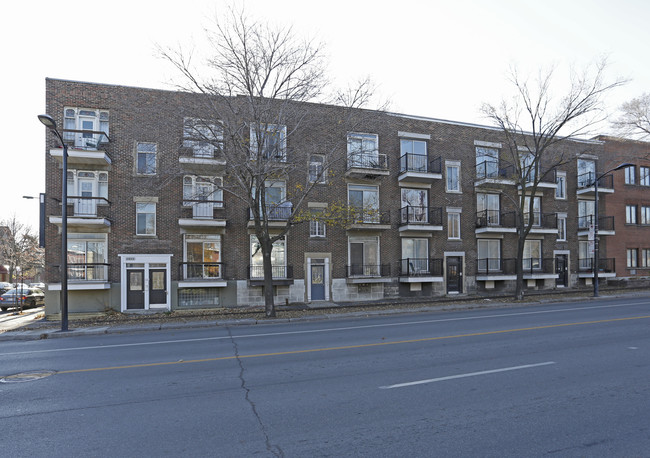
x: 49, y: 122
x: 595, y: 266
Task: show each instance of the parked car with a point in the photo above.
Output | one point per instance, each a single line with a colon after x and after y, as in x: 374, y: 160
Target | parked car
x: 4, y: 287
x: 27, y: 297
x: 38, y: 285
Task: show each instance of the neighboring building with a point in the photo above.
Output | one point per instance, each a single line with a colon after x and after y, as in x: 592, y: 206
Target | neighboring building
x: 630, y: 206
x: 441, y: 218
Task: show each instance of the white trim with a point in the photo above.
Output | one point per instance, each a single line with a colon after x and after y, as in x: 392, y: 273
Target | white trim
x: 203, y: 284
x: 414, y: 135
x: 145, y: 259
x: 488, y: 144
x: 80, y: 286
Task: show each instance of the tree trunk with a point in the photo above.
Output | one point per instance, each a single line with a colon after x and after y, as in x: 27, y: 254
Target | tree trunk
x: 269, y: 305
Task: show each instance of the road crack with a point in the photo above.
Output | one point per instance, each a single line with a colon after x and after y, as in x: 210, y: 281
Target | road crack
x: 274, y: 449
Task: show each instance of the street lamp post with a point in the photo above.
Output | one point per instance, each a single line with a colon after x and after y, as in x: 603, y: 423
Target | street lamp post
x: 49, y: 122
x: 595, y: 266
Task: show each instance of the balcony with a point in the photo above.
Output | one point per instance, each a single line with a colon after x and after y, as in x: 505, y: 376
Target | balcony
x: 492, y: 269
x: 201, y: 275
x: 201, y: 213
x: 420, y: 270
x: 276, y: 215
x: 544, y: 223
x: 87, y: 148
x: 420, y: 219
x: 489, y: 172
x: 605, y: 225
x: 367, y: 165
x: 606, y: 268
x: 84, y: 276
x: 87, y: 213
x: 586, y: 187
x: 548, y: 179
x: 368, y: 273
x: 368, y: 219
x: 494, y: 221
x: 538, y: 268
x: 417, y: 168
x: 201, y: 157
x: 282, y: 275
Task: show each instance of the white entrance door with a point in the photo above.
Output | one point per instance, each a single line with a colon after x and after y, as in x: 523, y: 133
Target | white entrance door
x: 145, y: 281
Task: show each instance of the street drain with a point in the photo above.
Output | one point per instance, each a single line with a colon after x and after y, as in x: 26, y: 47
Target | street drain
x: 26, y: 376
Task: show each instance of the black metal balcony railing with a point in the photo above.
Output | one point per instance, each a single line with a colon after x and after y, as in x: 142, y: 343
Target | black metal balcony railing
x: 368, y: 270
x: 549, y: 176
x: 201, y: 270
x: 495, y: 218
x: 368, y: 216
x: 275, y: 213
x: 420, y: 215
x: 542, y: 220
x: 491, y: 169
x: 410, y: 162
x: 586, y: 180
x: 86, y: 206
x: 496, y: 266
x: 607, y: 265
x: 88, y: 140
x: 419, y: 267
x: 538, y: 265
x: 278, y: 272
x: 87, y: 271
x: 367, y: 161
x: 202, y: 208
x: 605, y: 223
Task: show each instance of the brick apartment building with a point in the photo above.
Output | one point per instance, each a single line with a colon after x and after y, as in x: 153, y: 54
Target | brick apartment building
x: 441, y: 223
x: 630, y: 206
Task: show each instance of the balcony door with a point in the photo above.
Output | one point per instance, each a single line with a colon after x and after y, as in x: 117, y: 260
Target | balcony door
x: 364, y: 256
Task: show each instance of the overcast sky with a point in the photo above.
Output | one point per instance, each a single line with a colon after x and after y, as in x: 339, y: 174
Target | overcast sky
x: 439, y: 59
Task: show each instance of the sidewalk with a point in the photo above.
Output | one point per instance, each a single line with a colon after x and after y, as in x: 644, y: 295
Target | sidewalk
x: 30, y: 327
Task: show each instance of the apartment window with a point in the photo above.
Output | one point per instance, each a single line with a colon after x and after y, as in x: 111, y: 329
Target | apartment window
x: 487, y: 162
x: 317, y: 227
x: 364, y: 203
x: 145, y: 218
x: 277, y: 207
x: 414, y: 205
x: 363, y: 256
x: 86, y: 190
x: 268, y: 142
x: 317, y: 168
x: 630, y: 214
x: 527, y: 164
x: 632, y: 257
x: 489, y: 255
x: 487, y: 206
x: 202, y: 136
x: 630, y: 175
x: 586, y: 210
x: 584, y: 255
x: 561, y: 229
x: 586, y: 173
x: 363, y: 150
x: 203, y: 194
x: 560, y: 190
x: 452, y: 170
x: 278, y: 259
x: 415, y: 256
x: 532, y: 258
x: 146, y: 158
x: 86, y: 254
x: 413, y: 155
x: 88, y: 120
x: 645, y: 257
x: 644, y: 176
x: 202, y: 256
x: 645, y: 214
x: 537, y: 210
x: 453, y: 226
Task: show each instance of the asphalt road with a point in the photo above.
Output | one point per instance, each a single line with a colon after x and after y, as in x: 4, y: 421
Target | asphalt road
x: 563, y: 380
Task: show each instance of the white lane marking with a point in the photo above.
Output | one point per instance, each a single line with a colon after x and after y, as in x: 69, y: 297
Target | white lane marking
x: 314, y: 331
x: 471, y: 374
x: 633, y: 348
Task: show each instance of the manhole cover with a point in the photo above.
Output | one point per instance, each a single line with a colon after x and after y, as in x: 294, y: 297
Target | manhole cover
x: 26, y: 376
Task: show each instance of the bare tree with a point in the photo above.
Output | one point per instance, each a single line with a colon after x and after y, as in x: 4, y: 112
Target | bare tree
x: 19, y: 249
x: 255, y: 102
x: 534, y: 122
x: 634, y: 120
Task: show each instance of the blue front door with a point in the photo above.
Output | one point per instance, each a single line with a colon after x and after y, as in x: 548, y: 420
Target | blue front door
x: 318, y: 283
